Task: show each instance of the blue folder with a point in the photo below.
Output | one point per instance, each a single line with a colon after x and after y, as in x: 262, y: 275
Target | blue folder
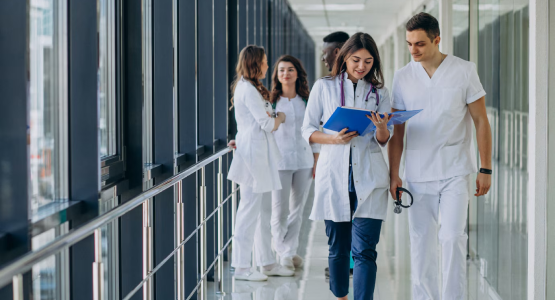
x: 355, y: 119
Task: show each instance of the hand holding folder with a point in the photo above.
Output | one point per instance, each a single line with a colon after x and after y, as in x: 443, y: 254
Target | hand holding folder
x: 355, y: 119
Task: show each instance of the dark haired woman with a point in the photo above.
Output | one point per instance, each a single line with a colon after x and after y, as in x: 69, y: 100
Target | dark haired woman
x: 353, y: 178
x: 298, y: 159
x: 255, y: 165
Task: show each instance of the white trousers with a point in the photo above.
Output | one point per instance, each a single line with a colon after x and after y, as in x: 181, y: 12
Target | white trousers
x: 287, y: 210
x: 450, y: 198
x: 252, y: 226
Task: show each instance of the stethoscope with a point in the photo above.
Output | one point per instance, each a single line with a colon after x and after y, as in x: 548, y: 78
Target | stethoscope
x: 399, y: 202
x: 372, y: 89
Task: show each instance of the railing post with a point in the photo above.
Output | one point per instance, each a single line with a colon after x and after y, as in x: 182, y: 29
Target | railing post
x: 17, y: 286
x: 233, y: 209
x: 98, y: 268
x: 180, y: 235
x: 202, y: 239
x: 220, y: 227
x: 147, y: 248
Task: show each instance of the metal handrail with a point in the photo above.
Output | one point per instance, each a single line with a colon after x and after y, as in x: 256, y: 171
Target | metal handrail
x: 136, y: 289
x: 26, y: 262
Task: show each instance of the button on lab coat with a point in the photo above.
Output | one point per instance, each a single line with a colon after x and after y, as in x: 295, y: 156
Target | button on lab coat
x: 439, y: 139
x: 370, y: 172
x: 296, y: 153
x: 256, y: 159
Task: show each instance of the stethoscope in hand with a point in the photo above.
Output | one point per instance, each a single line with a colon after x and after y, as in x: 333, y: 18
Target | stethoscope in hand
x: 399, y: 202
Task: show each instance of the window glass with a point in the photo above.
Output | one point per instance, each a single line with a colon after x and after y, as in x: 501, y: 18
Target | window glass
x: 460, y: 29
x: 433, y: 8
x: 50, y: 277
x: 106, y: 78
x: 47, y: 101
x: 502, y: 239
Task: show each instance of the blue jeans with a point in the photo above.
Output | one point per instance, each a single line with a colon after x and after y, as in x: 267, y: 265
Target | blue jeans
x: 361, y: 237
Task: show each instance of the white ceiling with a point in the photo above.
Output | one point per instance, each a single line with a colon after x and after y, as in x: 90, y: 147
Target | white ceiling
x: 321, y: 17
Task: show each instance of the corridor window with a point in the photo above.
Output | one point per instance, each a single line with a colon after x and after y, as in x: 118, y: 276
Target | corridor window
x: 107, y: 78
x: 48, y: 120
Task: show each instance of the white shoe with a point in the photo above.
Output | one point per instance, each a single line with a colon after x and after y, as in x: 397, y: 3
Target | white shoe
x: 298, y: 262
x: 287, y: 262
x: 251, y: 276
x: 279, y: 270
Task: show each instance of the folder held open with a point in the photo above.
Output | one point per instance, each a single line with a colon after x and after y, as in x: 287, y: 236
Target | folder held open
x: 355, y: 119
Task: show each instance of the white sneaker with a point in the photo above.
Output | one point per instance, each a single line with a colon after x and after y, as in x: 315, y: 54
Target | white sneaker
x: 279, y: 270
x: 287, y: 262
x: 298, y: 262
x: 251, y: 276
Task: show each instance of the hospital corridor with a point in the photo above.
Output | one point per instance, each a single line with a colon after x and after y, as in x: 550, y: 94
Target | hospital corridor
x: 277, y: 149
x: 393, y: 280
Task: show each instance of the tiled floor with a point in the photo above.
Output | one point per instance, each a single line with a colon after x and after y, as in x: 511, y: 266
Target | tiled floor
x: 309, y: 283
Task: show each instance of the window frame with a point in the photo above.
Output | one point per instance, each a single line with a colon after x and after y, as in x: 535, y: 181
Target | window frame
x: 113, y: 167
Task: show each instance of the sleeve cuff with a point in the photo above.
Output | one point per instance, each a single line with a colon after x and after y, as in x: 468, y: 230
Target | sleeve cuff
x: 398, y: 106
x: 390, y: 129
x: 307, y: 133
x: 268, y: 125
x: 475, y: 97
x: 315, y: 147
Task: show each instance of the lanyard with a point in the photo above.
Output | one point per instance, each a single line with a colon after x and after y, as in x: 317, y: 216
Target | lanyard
x: 372, y: 89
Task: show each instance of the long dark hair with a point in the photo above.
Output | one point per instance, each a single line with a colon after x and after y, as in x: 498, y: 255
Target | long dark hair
x: 301, y: 85
x: 359, y: 41
x: 249, y: 67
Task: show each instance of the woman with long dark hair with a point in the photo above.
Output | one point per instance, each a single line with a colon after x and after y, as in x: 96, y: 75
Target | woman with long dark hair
x: 298, y: 159
x: 352, y: 178
x: 254, y: 165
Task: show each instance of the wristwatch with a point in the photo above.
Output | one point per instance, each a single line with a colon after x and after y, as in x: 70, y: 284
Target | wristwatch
x: 486, y: 171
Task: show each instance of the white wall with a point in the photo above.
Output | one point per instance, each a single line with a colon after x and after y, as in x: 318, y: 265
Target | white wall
x: 537, y: 149
x: 551, y: 170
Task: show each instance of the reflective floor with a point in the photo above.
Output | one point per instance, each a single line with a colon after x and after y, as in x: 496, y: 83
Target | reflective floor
x: 309, y: 283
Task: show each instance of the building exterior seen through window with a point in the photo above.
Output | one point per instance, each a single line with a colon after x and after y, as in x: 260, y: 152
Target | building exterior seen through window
x: 47, y: 101
x: 106, y: 78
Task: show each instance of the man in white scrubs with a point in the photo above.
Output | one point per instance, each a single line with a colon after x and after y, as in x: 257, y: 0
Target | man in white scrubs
x: 439, y: 158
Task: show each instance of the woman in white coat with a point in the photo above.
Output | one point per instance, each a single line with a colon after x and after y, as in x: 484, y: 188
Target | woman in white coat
x: 352, y: 178
x: 298, y: 159
x: 255, y: 164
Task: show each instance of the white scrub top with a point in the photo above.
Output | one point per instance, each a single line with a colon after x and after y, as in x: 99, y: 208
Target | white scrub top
x: 296, y: 153
x: 439, y: 139
x: 255, y: 162
x: 370, y: 172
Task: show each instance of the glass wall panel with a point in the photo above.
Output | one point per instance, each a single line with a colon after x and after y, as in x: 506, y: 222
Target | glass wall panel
x: 106, y: 77
x: 461, y: 42
x: 501, y: 241
x: 47, y: 101
x: 433, y: 8
x: 50, y: 277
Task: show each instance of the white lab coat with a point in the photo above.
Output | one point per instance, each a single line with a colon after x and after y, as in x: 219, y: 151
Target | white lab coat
x: 439, y: 139
x: 296, y: 153
x: 370, y: 172
x: 256, y: 159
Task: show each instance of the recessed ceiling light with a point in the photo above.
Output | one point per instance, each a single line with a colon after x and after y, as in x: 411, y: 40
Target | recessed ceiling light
x: 328, y: 7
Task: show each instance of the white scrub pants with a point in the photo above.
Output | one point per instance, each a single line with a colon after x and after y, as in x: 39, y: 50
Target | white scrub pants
x: 252, y: 226
x: 287, y: 209
x: 450, y: 197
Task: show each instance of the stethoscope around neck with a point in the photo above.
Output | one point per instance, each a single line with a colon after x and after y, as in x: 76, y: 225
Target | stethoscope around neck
x: 372, y: 89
